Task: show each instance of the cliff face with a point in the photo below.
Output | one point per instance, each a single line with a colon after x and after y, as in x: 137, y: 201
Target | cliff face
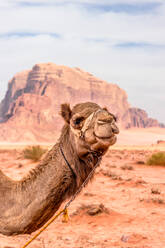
x: 30, y: 108
x: 15, y: 89
x: 135, y: 117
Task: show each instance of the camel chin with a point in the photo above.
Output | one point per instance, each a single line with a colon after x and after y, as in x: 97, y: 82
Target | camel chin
x: 108, y: 140
x: 103, y: 144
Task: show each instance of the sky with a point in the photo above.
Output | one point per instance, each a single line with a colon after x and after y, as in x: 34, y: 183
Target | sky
x: 120, y: 41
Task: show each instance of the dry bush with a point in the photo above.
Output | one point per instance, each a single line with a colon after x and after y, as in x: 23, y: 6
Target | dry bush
x: 111, y: 174
x: 153, y: 200
x: 97, y: 209
x: 127, y: 167
x: 92, y: 209
x: 140, y: 181
x: 155, y: 191
x: 157, y: 159
x: 158, y: 200
x: 89, y: 194
x: 33, y: 152
x: 140, y: 162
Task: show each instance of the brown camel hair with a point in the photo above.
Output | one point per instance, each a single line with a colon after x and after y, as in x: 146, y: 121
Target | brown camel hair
x: 26, y: 205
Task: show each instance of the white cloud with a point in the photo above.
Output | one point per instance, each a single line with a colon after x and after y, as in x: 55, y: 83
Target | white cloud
x: 75, y: 21
x: 88, y: 40
x: 85, y: 1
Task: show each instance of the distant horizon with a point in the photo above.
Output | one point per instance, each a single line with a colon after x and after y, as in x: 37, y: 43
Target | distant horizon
x: 119, y: 41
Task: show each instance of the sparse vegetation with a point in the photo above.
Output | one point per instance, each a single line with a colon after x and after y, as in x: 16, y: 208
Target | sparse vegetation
x: 97, y: 209
x: 140, y: 181
x: 110, y: 165
x: 111, y: 174
x: 140, y: 162
x: 152, y: 200
x: 157, y: 200
x: 88, y: 194
x: 155, y: 191
x: 33, y: 152
x: 157, y: 159
x: 126, y: 167
x: 92, y: 209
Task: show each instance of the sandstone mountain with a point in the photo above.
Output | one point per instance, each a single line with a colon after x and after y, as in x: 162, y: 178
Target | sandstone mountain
x: 29, y: 111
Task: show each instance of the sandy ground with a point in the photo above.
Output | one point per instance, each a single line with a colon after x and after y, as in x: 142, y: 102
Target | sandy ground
x: 141, y: 136
x: 124, y: 206
x: 132, y: 198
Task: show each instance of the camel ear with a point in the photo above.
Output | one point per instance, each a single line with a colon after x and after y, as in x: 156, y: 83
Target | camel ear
x: 66, y: 112
x: 105, y: 108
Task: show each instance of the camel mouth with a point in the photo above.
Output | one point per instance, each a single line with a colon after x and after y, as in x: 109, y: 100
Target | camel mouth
x: 104, y: 137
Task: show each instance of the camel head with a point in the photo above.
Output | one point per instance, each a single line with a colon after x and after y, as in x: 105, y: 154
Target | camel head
x: 92, y: 128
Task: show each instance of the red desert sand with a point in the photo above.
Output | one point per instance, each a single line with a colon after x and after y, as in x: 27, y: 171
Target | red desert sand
x: 123, y: 207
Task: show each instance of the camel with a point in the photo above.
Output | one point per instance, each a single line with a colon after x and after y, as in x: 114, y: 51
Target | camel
x: 26, y: 205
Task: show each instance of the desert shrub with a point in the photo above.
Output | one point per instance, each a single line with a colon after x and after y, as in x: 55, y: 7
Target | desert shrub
x: 153, y: 200
x: 111, y: 174
x: 140, y: 162
x: 155, y: 191
x: 126, y: 167
x: 33, y: 152
x: 157, y: 159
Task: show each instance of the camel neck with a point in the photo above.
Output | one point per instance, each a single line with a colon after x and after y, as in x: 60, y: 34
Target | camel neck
x: 37, y: 196
x: 68, y: 164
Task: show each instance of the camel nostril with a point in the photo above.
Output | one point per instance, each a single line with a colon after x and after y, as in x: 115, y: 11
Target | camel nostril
x: 115, y: 130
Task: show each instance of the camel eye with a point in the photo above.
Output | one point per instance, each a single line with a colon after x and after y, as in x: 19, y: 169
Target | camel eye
x: 78, y: 120
x: 114, y: 117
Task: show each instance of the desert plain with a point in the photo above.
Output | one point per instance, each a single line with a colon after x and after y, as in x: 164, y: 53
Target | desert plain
x: 123, y: 207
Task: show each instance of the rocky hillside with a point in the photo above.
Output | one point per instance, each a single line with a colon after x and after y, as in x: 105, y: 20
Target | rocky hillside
x: 29, y: 111
x: 135, y: 117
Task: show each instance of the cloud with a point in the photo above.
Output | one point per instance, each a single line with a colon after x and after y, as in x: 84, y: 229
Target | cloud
x: 132, y: 8
x: 82, y: 1
x: 98, y: 7
x: 139, y: 45
x: 94, y: 7
x: 18, y: 35
x: 115, y: 27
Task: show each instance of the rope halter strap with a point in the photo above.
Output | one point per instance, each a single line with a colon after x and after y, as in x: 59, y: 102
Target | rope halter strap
x: 80, y: 133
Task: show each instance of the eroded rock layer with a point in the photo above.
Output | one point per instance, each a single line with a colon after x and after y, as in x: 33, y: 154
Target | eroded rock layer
x: 29, y: 111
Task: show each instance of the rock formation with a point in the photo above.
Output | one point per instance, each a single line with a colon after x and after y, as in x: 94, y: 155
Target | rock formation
x: 135, y: 117
x: 29, y: 111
